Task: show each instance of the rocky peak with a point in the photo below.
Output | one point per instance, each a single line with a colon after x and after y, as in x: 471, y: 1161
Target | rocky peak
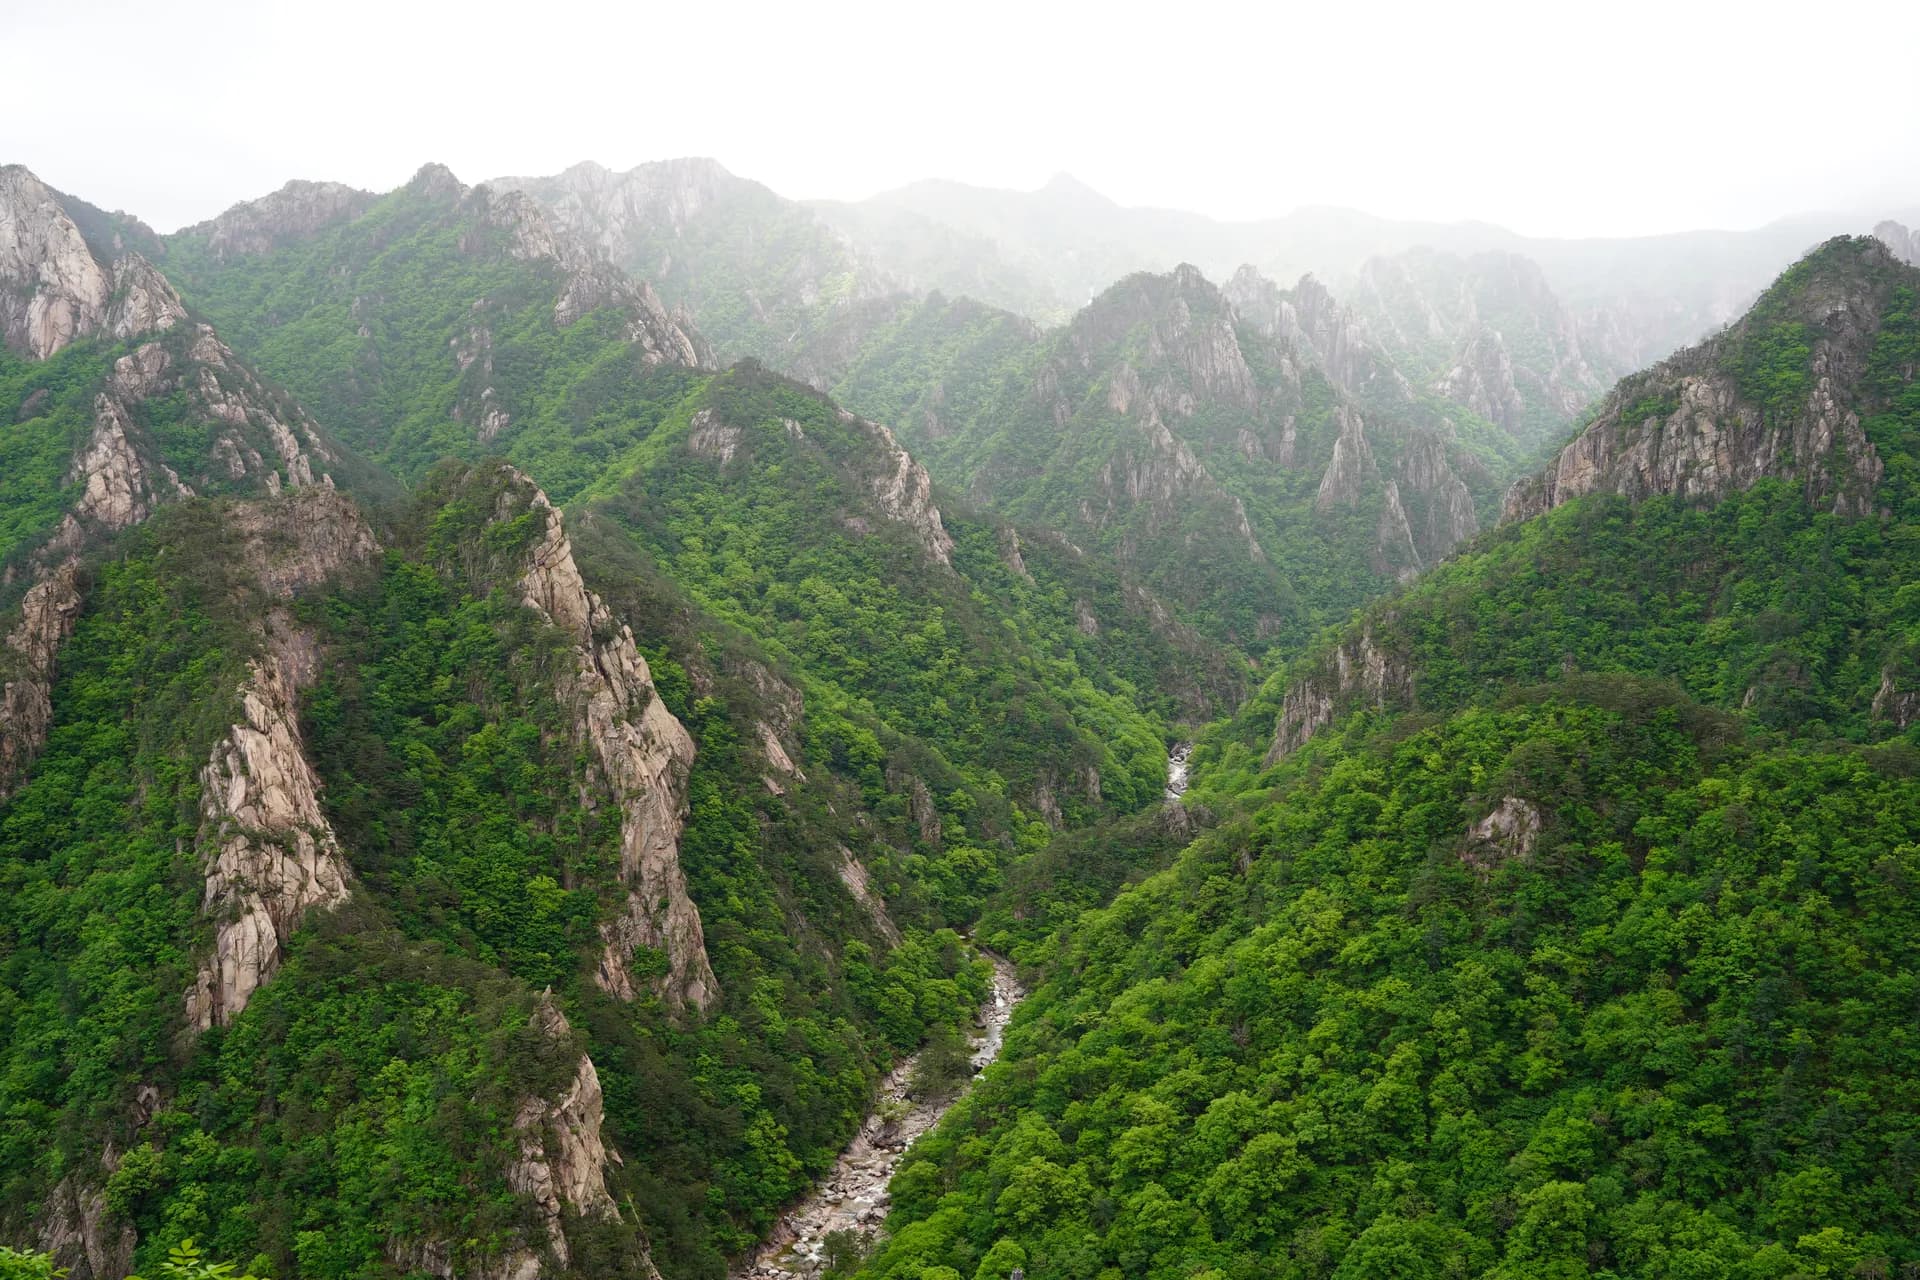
x: 1481, y: 378
x: 1904, y: 244
x: 591, y: 282
x: 295, y: 212
x: 609, y: 208
x: 1176, y: 333
x: 1352, y: 466
x: 1459, y: 320
x: 640, y: 751
x: 1318, y: 329
x: 903, y: 490
x: 1702, y: 424
x: 434, y: 181
x: 55, y: 288
x: 262, y: 443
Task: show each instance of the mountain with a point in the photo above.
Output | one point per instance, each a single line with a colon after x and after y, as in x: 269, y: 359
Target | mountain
x: 1557, y: 917
x: 116, y: 403
x: 1771, y: 462
x: 1904, y: 244
x: 1637, y: 298
x: 434, y: 320
x: 1214, y: 453
x: 423, y: 876
x: 1485, y: 332
x: 515, y: 893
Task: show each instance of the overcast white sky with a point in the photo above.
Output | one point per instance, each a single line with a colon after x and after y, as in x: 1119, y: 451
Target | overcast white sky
x: 1545, y: 116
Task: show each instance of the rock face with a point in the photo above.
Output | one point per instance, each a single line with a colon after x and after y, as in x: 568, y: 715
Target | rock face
x: 1895, y: 701
x: 643, y: 753
x: 713, y: 242
x: 590, y: 281
x: 269, y: 853
x: 83, y: 1236
x: 294, y: 212
x: 1693, y: 427
x: 1460, y: 321
x: 1313, y: 324
x: 854, y: 876
x: 54, y: 290
x: 1356, y: 672
x: 903, y: 490
x: 261, y: 443
x: 1507, y: 834
x: 561, y: 1160
x: 1901, y: 242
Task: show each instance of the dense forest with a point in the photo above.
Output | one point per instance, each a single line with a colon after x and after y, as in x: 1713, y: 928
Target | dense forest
x: 491, y: 785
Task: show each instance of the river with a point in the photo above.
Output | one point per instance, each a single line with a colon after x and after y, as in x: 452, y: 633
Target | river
x: 854, y: 1196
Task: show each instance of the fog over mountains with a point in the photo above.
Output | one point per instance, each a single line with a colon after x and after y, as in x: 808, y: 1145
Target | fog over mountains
x: 687, y: 720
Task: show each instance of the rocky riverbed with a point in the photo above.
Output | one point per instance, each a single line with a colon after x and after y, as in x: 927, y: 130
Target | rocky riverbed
x: 854, y: 1196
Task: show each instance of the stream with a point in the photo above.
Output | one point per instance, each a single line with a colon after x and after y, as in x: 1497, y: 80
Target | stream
x: 1177, y: 770
x: 853, y: 1197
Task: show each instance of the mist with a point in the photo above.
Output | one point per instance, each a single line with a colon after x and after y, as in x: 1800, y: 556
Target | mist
x: 1638, y: 119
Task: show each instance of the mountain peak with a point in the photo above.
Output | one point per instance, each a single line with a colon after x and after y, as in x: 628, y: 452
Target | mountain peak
x: 297, y: 210
x: 1771, y: 397
x: 436, y: 181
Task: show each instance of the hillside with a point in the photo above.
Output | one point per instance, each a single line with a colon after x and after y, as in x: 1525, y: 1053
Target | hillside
x: 1557, y: 923
x: 1208, y: 447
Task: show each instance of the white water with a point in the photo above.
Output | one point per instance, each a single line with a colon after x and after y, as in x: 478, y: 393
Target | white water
x: 1177, y: 770
x: 854, y: 1196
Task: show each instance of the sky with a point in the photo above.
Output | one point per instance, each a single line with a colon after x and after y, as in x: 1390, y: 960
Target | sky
x: 1554, y: 118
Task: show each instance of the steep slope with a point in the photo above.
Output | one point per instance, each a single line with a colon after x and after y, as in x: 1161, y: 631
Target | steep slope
x: 435, y: 320
x: 1724, y: 515
x: 1213, y: 453
x: 402, y: 853
x: 722, y: 513
x: 114, y: 403
x: 1485, y: 332
x: 760, y: 273
x: 1560, y: 925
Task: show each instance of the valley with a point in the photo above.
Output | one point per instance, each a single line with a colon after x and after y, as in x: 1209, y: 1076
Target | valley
x: 621, y: 724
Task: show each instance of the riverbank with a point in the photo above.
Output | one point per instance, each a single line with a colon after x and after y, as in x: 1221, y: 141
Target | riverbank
x: 853, y: 1197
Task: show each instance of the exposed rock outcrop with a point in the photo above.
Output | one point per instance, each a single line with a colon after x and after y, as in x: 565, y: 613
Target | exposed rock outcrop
x: 295, y: 212
x: 1692, y: 428
x: 1896, y: 701
x: 47, y: 617
x: 1481, y: 378
x: 1356, y: 672
x: 854, y: 876
x: 1459, y: 320
x: 1320, y: 330
x: 643, y: 753
x: 1352, y: 466
x: 589, y: 280
x: 1507, y: 834
x: 83, y: 1235
x: 55, y: 290
x: 561, y: 1159
x: 903, y: 491
x: 269, y: 853
x: 1904, y: 243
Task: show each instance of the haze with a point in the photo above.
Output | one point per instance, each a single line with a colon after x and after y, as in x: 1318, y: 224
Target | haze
x: 1629, y: 119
